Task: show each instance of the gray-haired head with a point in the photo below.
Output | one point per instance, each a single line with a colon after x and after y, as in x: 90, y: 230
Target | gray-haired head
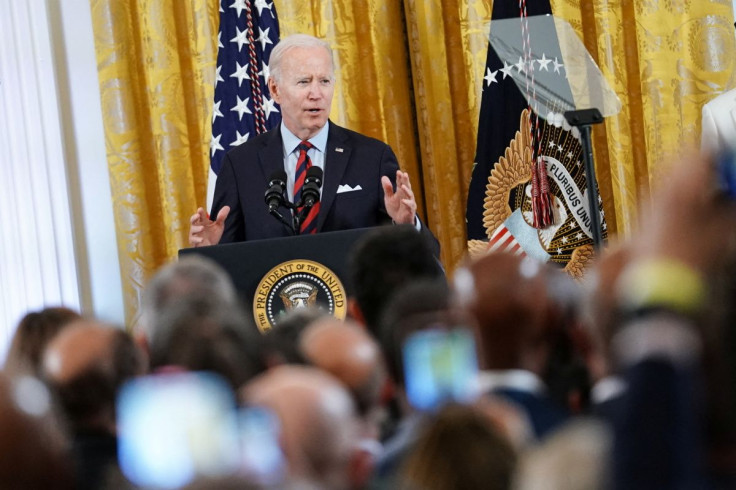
x: 291, y: 42
x: 191, y: 278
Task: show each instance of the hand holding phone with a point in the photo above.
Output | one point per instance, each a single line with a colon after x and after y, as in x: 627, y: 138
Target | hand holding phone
x: 440, y: 366
x: 176, y: 427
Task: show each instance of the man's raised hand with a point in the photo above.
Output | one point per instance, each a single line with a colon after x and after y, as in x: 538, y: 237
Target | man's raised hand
x: 400, y: 204
x: 203, y: 231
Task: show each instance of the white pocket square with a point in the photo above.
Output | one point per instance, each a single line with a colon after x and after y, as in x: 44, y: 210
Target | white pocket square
x: 346, y: 188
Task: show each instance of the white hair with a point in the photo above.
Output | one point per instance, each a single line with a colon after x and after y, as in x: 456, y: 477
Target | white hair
x: 295, y: 41
x: 190, y: 278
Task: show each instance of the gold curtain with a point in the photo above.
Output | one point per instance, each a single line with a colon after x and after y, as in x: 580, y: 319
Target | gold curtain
x: 664, y: 60
x: 156, y: 62
x: 410, y: 73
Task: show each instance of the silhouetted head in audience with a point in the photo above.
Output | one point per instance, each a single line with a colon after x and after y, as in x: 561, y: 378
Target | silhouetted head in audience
x: 192, y: 336
x: 34, y: 455
x: 319, y: 426
x: 387, y: 258
x: 507, y: 298
x: 32, y: 335
x: 281, y: 343
x: 190, y: 278
x: 459, y: 448
x: 565, y: 373
x: 348, y: 352
x: 600, y: 316
x: 415, y: 306
x: 232, y: 482
x: 576, y: 457
x: 524, y: 311
x: 85, y: 365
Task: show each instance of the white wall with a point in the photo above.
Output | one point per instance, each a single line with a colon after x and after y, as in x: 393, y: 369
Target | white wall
x: 86, y: 159
x: 58, y: 243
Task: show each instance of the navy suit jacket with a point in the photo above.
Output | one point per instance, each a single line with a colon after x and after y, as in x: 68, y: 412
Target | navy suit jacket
x: 544, y: 415
x: 350, y: 159
x: 657, y: 429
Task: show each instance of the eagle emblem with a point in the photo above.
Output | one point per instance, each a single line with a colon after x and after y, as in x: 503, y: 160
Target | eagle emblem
x: 507, y: 208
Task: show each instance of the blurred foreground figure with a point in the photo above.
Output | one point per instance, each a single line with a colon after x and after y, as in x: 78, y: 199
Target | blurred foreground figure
x: 417, y: 306
x: 33, y: 453
x: 348, y: 352
x: 575, y: 457
x: 85, y: 366
x: 507, y: 297
x: 192, y: 321
x: 676, y: 361
x: 31, y: 336
x: 191, y: 336
x: 319, y: 428
x: 601, y: 320
x: 281, y: 343
x: 381, y: 263
x: 459, y: 449
x: 187, y: 279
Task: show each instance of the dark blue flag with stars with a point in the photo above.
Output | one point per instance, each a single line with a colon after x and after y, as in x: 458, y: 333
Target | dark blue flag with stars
x: 502, y: 214
x: 243, y: 107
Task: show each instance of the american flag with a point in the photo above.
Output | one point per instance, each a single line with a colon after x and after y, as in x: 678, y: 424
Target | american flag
x: 243, y: 107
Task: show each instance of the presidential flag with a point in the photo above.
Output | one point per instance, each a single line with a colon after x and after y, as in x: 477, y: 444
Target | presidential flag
x: 243, y: 107
x: 527, y: 192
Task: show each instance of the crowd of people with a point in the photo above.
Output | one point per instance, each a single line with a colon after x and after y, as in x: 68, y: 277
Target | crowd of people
x: 506, y: 374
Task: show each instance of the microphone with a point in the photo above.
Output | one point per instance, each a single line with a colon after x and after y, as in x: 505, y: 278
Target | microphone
x: 312, y: 184
x: 276, y: 190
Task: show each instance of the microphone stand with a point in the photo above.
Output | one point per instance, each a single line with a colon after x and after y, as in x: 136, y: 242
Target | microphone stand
x: 276, y: 196
x: 300, y: 216
x: 292, y: 226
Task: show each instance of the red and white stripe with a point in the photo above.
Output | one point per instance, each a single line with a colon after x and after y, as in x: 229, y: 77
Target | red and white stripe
x: 503, y: 241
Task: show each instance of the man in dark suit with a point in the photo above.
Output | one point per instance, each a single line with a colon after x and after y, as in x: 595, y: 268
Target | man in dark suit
x: 359, y: 171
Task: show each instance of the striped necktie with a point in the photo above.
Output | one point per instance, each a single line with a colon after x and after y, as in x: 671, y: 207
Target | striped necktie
x: 303, y: 163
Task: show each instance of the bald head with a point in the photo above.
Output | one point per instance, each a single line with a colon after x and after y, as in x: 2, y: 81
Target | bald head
x: 318, y: 423
x: 85, y: 365
x: 83, y: 346
x: 348, y: 352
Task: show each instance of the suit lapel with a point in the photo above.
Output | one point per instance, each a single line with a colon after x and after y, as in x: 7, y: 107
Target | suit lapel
x: 271, y: 155
x: 337, y: 156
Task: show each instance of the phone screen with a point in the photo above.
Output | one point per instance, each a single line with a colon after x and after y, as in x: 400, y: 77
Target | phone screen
x: 262, y: 460
x: 173, y: 428
x: 440, y: 366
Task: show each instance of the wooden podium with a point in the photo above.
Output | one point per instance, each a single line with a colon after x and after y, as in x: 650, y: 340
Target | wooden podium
x: 275, y: 275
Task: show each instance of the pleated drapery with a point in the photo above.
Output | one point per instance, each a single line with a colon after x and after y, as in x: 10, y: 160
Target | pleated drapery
x: 409, y: 72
